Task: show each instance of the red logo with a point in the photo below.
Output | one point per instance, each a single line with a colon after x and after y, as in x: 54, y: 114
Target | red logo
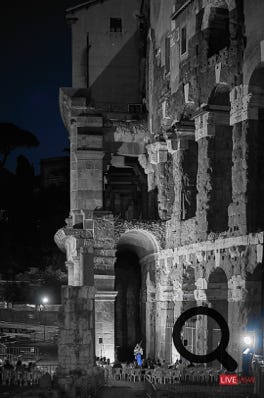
x: 228, y: 380
x: 234, y: 379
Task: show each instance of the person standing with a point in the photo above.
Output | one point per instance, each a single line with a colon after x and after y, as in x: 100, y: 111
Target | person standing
x: 138, y: 353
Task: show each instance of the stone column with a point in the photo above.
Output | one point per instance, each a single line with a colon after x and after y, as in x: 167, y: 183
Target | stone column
x: 70, y: 268
x: 164, y: 318
x: 158, y: 157
x: 149, y: 170
x: 105, y: 323
x: 177, y: 147
x: 148, y: 304
x: 237, y: 317
x: 204, y: 135
x: 177, y: 299
x: 76, y: 340
x: 86, y: 171
x: 202, y: 321
x: 243, y: 117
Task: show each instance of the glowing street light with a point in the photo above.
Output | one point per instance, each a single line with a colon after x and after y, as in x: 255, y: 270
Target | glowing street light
x: 45, y: 301
x: 248, y: 340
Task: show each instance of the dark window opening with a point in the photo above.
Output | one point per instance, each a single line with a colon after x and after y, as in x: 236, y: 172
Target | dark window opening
x: 221, y: 150
x: 183, y: 40
x: 199, y: 20
x: 255, y: 212
x: 189, y: 176
x: 218, y: 31
x: 167, y: 55
x: 115, y: 25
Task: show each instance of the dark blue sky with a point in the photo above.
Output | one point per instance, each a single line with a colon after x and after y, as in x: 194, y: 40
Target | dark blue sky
x: 35, y: 61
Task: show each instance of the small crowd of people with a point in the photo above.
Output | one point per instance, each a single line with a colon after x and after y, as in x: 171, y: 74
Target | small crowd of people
x: 19, y: 374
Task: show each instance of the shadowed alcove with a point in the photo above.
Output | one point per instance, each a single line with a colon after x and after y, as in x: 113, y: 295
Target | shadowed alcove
x: 130, y: 319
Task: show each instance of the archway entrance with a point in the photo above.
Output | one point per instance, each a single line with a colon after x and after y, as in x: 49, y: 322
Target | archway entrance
x: 128, y: 308
x: 132, y: 324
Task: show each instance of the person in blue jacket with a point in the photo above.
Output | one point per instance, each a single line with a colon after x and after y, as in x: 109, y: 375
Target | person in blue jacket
x: 138, y: 352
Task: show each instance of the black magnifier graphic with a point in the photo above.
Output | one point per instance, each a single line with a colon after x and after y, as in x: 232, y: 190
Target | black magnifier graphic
x: 219, y: 353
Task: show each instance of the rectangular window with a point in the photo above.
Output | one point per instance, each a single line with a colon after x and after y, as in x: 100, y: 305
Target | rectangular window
x: 167, y: 54
x: 115, y: 25
x: 183, y: 40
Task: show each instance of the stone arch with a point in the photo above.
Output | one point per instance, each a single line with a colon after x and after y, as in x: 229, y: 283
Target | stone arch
x: 255, y: 215
x: 135, y: 271
x: 142, y: 242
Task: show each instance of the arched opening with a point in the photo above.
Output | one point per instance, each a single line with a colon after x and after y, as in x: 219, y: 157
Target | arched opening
x: 255, y: 138
x: 218, y: 29
x: 126, y: 190
x: 221, y: 158
x: 131, y: 323
x: 217, y: 296
x: 127, y: 310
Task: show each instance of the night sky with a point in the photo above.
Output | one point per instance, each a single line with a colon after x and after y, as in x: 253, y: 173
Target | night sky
x: 35, y: 61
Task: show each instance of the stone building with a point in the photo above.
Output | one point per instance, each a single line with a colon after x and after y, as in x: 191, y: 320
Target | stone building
x: 165, y: 118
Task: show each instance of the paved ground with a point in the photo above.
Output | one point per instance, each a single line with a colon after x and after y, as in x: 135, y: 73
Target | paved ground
x: 120, y: 392
x: 136, y: 390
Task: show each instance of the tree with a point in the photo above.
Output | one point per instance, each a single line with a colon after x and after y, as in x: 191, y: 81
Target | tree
x: 12, y: 137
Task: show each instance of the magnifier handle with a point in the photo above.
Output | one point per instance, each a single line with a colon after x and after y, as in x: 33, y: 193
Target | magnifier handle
x: 228, y: 362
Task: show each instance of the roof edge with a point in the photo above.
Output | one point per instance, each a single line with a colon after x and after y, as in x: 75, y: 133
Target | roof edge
x: 81, y: 5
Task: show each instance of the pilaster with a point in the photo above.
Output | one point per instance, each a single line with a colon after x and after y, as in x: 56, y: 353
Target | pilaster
x: 86, y: 171
x: 237, y: 316
x: 204, y: 135
x: 245, y: 103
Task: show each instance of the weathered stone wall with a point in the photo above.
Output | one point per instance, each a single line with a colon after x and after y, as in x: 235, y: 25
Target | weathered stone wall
x: 202, y: 157
x: 190, y: 84
x: 76, y: 337
x: 183, y: 276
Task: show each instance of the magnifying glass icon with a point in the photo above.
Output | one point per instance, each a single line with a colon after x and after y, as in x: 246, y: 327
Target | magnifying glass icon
x: 219, y: 353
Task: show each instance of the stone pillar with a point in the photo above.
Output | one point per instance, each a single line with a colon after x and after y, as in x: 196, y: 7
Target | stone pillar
x: 177, y: 299
x: 204, y: 135
x: 76, y: 338
x: 177, y: 147
x: 105, y: 323
x: 70, y: 268
x: 149, y: 170
x: 202, y: 321
x: 86, y: 171
x: 237, y: 317
x: 164, y: 321
x: 239, y: 114
x: 158, y: 157
x: 243, y: 117
x: 148, y: 304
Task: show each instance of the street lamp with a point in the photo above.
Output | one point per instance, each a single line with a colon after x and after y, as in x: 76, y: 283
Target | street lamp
x: 45, y: 301
x: 249, y: 342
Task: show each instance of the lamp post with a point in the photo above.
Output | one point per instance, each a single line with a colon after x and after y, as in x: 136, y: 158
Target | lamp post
x: 249, y: 346
x: 45, y: 301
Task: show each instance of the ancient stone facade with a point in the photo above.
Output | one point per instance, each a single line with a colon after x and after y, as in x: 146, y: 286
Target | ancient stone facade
x: 172, y: 184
